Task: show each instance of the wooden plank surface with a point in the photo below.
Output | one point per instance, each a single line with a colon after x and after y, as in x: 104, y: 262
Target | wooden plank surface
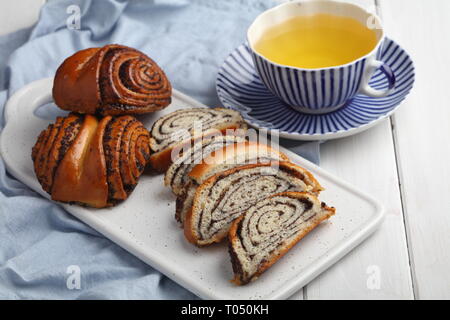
x: 379, y: 268
x: 421, y: 132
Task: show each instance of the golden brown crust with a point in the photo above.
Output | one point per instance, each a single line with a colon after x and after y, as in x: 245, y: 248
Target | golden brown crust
x: 81, y: 175
x: 188, y: 227
x: 41, y: 153
x: 112, y: 80
x: 162, y: 160
x: 127, y: 172
x: 219, y: 156
x: 233, y: 237
x: 113, y: 144
x: 127, y: 152
x: 80, y: 72
x: 80, y: 159
x: 313, y: 181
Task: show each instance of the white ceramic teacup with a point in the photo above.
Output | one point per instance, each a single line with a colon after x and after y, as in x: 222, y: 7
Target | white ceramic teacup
x: 321, y: 90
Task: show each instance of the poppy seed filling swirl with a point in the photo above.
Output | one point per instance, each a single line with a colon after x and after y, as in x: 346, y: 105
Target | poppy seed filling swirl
x: 177, y: 174
x: 228, y: 198
x: 131, y: 80
x: 126, y: 152
x: 270, y: 224
x: 184, y: 124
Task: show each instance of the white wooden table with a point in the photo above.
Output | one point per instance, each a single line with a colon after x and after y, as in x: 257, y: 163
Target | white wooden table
x: 404, y: 162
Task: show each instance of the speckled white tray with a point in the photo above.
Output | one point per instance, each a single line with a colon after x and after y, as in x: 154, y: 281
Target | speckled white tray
x: 145, y: 226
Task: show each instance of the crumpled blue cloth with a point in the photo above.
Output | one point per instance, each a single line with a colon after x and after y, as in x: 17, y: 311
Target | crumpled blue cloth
x: 39, y: 241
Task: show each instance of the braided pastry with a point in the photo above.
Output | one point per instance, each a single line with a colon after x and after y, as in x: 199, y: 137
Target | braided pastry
x: 225, y: 196
x: 179, y: 127
x: 97, y: 163
x: 268, y: 229
x: 112, y: 80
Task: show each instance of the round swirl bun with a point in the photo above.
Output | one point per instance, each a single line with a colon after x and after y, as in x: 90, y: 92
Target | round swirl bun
x: 81, y: 159
x: 268, y: 229
x: 112, y: 80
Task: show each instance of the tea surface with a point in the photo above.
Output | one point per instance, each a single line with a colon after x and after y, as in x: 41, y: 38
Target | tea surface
x: 317, y: 41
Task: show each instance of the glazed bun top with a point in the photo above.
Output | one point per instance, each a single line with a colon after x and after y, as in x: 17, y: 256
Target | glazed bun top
x: 112, y: 80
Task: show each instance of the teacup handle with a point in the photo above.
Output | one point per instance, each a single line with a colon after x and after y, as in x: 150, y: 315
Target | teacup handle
x: 367, y: 90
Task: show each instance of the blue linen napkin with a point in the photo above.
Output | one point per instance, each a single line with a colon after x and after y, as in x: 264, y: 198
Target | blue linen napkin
x: 42, y: 247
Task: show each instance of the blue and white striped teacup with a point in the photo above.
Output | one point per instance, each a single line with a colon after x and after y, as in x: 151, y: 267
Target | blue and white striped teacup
x: 324, y: 90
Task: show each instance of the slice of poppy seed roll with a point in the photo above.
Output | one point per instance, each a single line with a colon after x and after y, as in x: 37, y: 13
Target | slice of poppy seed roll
x: 268, y: 229
x: 182, y: 125
x: 231, y: 156
x: 225, y: 196
x: 177, y: 175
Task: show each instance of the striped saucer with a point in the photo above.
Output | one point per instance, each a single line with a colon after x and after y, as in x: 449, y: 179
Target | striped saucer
x: 239, y: 87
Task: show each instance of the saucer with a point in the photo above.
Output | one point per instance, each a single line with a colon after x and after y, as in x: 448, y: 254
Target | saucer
x: 240, y: 88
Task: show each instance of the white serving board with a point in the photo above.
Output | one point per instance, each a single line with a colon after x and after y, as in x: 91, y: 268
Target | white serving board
x: 145, y: 225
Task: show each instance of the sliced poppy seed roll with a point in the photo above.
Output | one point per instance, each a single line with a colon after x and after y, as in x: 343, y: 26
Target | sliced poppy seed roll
x: 220, y: 160
x: 177, y: 175
x: 226, y: 196
x: 180, y: 126
x: 268, y: 229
